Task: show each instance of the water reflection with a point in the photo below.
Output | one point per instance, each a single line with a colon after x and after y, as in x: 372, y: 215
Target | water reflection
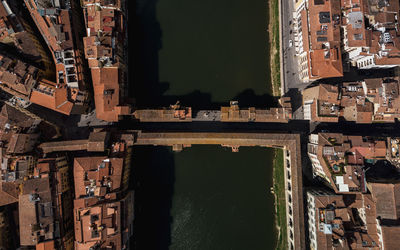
x: 205, y: 197
x: 203, y: 53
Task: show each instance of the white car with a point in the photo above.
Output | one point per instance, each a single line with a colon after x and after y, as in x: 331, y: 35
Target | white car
x: 290, y: 43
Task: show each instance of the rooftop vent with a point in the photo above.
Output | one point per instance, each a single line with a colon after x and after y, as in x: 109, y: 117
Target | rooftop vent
x: 327, y: 54
x: 358, y: 37
x: 324, y: 17
x: 94, y: 217
x: 386, y: 37
x: 327, y: 229
x: 356, y: 19
x: 108, y: 92
x: 352, y: 88
x: 328, y: 150
x: 383, y: 3
x: 34, y: 197
x: 335, y: 18
x: 102, y: 165
x: 95, y: 247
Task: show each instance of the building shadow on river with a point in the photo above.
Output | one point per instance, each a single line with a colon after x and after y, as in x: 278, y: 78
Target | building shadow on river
x: 153, y: 174
x: 145, y: 88
x: 153, y: 178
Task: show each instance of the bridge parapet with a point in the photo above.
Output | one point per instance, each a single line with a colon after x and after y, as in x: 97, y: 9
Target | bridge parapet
x: 176, y: 113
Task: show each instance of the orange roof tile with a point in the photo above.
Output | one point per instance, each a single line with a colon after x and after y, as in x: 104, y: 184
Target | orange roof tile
x: 52, y: 98
x: 47, y: 245
x: 106, y: 93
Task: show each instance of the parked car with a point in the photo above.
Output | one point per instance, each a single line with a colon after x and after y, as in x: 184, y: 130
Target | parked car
x: 290, y: 43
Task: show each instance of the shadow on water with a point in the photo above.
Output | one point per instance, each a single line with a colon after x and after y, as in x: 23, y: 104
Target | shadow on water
x: 153, y: 168
x: 153, y: 178
x: 145, y: 88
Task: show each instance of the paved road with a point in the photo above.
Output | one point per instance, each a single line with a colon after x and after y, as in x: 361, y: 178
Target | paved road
x: 292, y: 83
x: 291, y: 76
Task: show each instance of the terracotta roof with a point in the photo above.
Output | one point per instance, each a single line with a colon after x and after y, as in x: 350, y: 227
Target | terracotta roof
x: 373, y: 83
x: 52, y: 98
x: 365, y: 112
x: 103, y: 223
x: 106, y: 224
x: 105, y: 60
x: 376, y: 99
x: 326, y: 63
x: 16, y: 77
x: 107, y: 94
x: 325, y: 105
x: 97, y: 175
x: 390, y: 236
x: 14, y: 117
x: 321, y: 202
x: 48, y: 245
x: 343, y: 230
x: 370, y: 150
x: 22, y: 143
x: 378, y: 37
x: 387, y: 197
x: 328, y: 93
x: 55, y: 27
x: 8, y: 193
x: 36, y: 212
x: 321, y: 39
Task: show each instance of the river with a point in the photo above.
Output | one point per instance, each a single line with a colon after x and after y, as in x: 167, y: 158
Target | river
x: 205, y: 197
x: 204, y: 54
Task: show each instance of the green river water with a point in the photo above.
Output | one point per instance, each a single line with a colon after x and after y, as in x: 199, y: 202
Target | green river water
x: 204, y: 54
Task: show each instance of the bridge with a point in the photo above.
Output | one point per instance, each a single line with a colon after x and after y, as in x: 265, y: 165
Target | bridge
x: 176, y: 113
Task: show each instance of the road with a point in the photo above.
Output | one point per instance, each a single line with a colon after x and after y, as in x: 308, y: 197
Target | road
x: 289, y: 60
x: 291, y: 82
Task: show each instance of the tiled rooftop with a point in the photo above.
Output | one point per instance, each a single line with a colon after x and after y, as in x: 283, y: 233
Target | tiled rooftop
x: 321, y: 38
x: 372, y: 100
x: 54, y: 22
x: 371, y: 38
x: 16, y: 77
x: 104, y: 20
x: 337, y: 222
x: 97, y: 176
x: 342, y: 159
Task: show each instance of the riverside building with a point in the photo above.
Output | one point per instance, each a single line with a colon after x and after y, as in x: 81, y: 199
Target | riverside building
x: 103, y: 209
x: 339, y: 160
x: 105, y: 50
x: 317, y: 39
x: 368, y: 101
x: 363, y: 33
